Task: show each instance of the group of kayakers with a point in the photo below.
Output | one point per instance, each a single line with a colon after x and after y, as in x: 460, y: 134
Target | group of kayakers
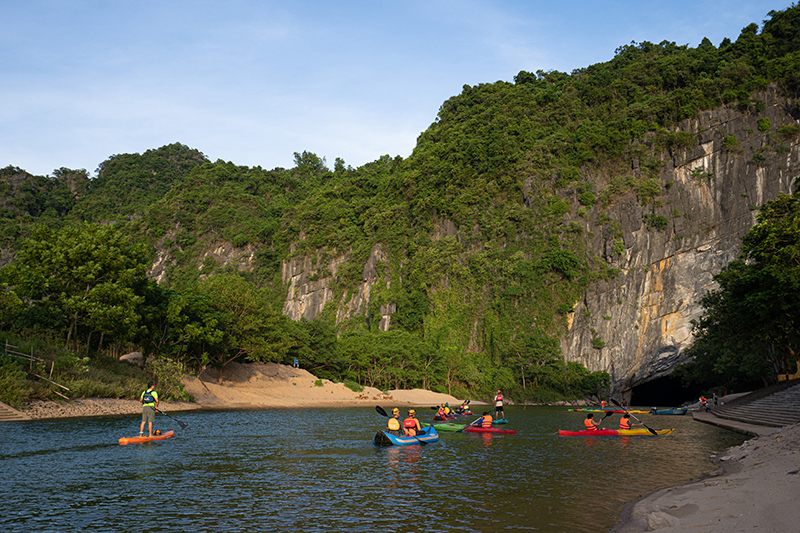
x: 624, y: 423
x: 408, y: 427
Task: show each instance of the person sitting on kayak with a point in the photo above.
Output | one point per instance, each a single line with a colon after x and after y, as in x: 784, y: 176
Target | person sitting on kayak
x: 625, y: 422
x: 590, y: 423
x: 393, y: 426
x: 441, y: 414
x: 411, y: 425
x: 484, y: 421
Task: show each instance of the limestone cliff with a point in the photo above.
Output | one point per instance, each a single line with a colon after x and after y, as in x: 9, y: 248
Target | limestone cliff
x: 637, y: 326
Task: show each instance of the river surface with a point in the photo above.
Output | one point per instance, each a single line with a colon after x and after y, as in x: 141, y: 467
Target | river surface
x: 317, y: 470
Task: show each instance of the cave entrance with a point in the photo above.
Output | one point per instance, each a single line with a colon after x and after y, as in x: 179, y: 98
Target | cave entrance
x: 663, y: 392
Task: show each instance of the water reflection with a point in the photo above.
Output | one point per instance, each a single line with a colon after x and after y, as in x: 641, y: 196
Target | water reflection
x: 282, y: 470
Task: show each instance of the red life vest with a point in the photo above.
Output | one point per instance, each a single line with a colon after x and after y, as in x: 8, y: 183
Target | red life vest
x: 410, y: 422
x: 589, y: 423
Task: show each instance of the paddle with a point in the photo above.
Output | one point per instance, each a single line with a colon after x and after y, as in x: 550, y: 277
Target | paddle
x: 183, y: 425
x: 651, y: 430
x: 472, y: 423
x: 382, y: 412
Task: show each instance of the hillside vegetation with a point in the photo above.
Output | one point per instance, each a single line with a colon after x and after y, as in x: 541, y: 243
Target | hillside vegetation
x: 513, y: 169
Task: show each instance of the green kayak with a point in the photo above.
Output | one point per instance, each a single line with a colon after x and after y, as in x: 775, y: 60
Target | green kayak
x: 449, y: 426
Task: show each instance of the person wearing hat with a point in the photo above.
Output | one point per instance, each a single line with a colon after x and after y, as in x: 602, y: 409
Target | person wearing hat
x: 499, y: 414
x: 393, y: 426
x: 149, y: 401
x: 411, y: 425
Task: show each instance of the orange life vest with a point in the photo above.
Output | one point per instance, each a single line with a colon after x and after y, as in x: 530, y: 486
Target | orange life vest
x: 624, y: 423
x: 486, y: 422
x: 589, y: 423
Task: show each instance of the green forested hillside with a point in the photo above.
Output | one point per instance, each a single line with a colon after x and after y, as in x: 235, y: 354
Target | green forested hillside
x: 515, y: 168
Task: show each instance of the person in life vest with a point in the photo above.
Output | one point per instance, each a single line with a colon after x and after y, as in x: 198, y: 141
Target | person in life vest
x: 447, y: 409
x: 590, y: 423
x: 411, y: 425
x: 441, y: 414
x: 499, y: 414
x: 149, y: 401
x: 603, y: 404
x: 486, y: 420
x: 393, y: 425
x: 625, y: 422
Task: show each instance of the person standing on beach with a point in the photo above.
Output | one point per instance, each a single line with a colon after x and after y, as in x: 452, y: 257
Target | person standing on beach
x: 499, y: 414
x: 149, y: 401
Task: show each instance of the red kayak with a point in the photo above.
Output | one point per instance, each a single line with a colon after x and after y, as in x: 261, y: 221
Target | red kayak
x: 478, y: 429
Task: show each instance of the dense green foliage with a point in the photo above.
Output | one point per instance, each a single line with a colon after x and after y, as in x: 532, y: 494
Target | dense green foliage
x: 486, y: 227
x: 750, y: 330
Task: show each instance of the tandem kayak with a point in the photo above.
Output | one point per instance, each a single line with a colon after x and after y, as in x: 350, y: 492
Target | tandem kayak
x: 676, y: 411
x: 616, y: 411
x: 478, y: 429
x: 427, y: 435
x: 132, y: 440
x: 611, y: 432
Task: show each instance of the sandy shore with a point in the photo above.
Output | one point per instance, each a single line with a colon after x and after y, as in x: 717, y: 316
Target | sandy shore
x: 253, y: 385
x: 756, y: 489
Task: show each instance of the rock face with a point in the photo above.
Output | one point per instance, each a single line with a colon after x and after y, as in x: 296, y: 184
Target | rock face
x: 643, y: 316
x: 636, y: 326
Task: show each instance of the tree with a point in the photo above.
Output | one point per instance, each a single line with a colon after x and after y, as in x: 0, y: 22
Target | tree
x: 83, y: 278
x: 749, y: 328
x: 251, y: 329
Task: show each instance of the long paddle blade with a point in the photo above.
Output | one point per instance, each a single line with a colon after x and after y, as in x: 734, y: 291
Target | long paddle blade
x: 651, y: 430
x: 183, y: 425
x: 380, y: 410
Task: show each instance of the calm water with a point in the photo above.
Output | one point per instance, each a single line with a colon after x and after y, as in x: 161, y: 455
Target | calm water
x: 317, y: 470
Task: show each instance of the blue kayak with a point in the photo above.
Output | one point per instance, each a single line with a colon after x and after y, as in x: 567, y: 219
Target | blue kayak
x: 427, y: 435
x: 675, y: 411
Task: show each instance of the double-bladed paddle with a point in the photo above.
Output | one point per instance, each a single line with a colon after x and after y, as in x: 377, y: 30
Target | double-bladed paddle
x: 472, y: 423
x: 183, y: 425
x: 651, y: 430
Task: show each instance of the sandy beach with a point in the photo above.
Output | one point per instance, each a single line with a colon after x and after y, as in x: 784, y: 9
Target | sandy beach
x: 755, y: 487
x: 249, y: 386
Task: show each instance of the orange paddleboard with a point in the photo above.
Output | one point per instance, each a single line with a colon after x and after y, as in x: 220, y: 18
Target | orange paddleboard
x: 131, y: 440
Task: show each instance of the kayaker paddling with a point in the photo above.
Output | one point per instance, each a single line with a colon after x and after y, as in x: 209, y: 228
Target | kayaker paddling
x: 393, y: 425
x: 411, y: 425
x: 625, y: 422
x: 590, y: 423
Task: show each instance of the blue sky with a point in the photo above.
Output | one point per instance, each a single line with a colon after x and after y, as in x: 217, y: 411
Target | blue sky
x: 252, y: 82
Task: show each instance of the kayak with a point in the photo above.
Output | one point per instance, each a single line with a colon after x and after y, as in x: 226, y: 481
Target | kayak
x: 132, y: 440
x: 427, y: 435
x: 611, y: 432
x: 676, y: 411
x: 500, y: 421
x: 616, y: 411
x: 450, y: 426
x: 478, y: 429
x: 437, y: 418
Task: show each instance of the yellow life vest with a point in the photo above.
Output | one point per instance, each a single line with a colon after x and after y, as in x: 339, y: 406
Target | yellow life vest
x: 393, y: 424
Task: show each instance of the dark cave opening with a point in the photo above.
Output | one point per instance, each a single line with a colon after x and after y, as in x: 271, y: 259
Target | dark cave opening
x: 663, y: 392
